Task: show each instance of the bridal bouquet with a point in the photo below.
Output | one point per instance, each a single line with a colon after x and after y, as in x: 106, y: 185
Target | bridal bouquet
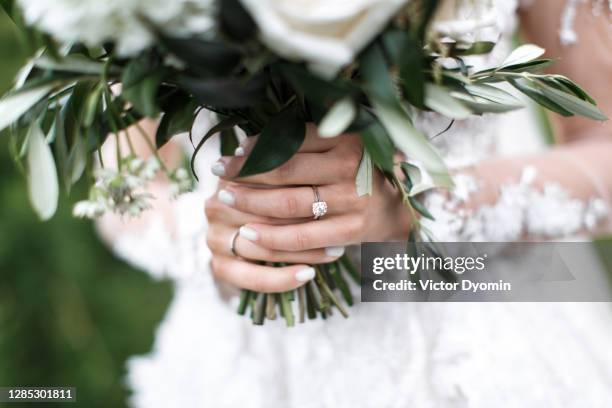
x: 266, y: 67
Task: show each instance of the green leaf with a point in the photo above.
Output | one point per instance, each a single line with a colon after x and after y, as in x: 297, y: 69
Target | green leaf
x: 363, y: 179
x: 411, y: 72
x: 77, y: 160
x: 455, y: 78
x: 225, y: 124
x: 229, y: 142
x: 379, y: 146
x: 440, y: 100
x: 480, y: 105
x: 226, y: 93
x: 61, y: 148
x: 574, y: 88
x: 532, y: 66
x: 406, y: 52
x: 415, y: 181
x: 381, y: 92
x: 536, y: 95
x: 494, y: 94
x: 140, y: 84
x: 426, y: 14
x: 321, y: 92
x: 178, y: 119
x: 92, y: 105
x: 477, y: 48
x: 14, y: 105
x: 498, y: 74
x: 338, y: 118
x: 280, y: 139
x: 412, y: 142
x: 42, y: 175
x: 73, y: 111
x: 362, y: 121
x: 71, y: 63
x: 420, y: 208
x: 208, y: 58
x: 236, y: 21
x: 571, y: 103
x: 524, y: 53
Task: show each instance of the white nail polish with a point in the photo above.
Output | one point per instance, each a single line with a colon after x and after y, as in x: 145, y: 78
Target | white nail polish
x: 249, y: 233
x: 239, y: 152
x: 304, y: 275
x: 227, y: 197
x: 218, y: 169
x: 335, y: 252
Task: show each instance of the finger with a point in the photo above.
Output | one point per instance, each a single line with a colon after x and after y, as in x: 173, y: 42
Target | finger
x: 260, y: 278
x: 219, y: 240
x: 217, y: 212
x: 328, y: 232
x: 292, y: 202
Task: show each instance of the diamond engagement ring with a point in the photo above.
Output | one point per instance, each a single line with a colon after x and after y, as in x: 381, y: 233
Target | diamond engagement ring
x: 319, y: 207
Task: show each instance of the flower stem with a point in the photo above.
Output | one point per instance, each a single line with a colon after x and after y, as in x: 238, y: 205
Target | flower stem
x: 260, y: 308
x: 150, y: 145
x: 245, y: 297
x: 286, y: 308
x: 302, y: 303
x: 329, y: 294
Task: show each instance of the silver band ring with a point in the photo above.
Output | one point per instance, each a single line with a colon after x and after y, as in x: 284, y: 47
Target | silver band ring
x: 319, y: 207
x: 233, y: 243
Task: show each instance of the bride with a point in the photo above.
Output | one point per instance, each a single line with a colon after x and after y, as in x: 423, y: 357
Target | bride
x: 509, y: 187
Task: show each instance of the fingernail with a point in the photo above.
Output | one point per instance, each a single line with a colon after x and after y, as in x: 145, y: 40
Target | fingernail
x: 239, y: 152
x: 218, y: 169
x: 304, y: 275
x: 335, y: 252
x: 249, y: 233
x: 227, y: 197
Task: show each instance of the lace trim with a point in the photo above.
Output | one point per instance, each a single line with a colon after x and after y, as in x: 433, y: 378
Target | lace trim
x: 521, y: 210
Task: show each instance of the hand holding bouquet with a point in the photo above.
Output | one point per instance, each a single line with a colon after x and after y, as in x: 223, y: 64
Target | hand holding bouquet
x: 266, y: 67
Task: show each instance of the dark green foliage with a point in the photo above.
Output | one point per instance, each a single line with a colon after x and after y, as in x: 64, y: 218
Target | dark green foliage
x: 278, y: 142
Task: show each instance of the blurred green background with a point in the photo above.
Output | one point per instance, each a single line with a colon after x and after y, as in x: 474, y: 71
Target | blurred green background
x: 70, y: 313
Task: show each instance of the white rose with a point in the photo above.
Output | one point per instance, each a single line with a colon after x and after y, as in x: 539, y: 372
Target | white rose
x: 325, y: 33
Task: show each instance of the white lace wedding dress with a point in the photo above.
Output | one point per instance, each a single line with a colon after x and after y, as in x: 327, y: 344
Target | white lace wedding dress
x: 385, y: 355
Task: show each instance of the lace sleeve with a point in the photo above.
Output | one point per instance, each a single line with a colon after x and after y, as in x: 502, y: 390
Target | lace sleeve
x: 534, y: 206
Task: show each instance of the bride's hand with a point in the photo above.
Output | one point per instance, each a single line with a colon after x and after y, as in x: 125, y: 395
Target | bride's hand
x: 273, y: 212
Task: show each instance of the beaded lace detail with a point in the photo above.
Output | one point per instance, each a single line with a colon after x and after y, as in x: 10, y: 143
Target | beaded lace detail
x: 522, y: 210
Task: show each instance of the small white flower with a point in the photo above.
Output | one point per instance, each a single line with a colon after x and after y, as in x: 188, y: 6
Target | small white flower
x: 181, y: 182
x: 89, y: 209
x: 150, y: 168
x: 120, y: 191
x: 134, y: 164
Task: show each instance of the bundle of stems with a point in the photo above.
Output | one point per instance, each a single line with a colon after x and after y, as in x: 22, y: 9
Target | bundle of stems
x: 316, y: 298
